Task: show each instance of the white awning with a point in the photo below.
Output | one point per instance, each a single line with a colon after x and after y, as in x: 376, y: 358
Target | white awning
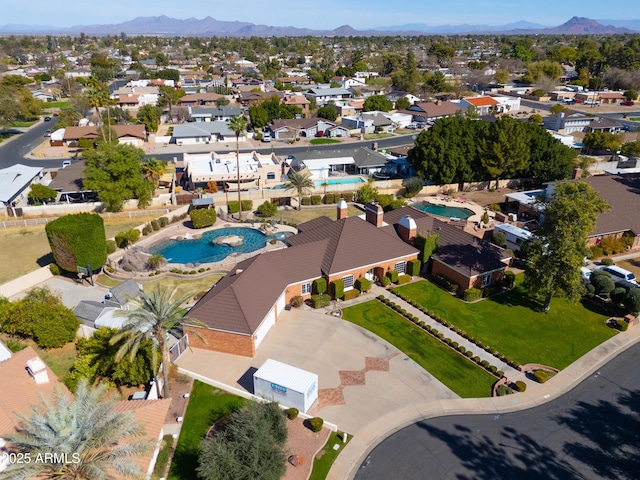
x: 233, y: 186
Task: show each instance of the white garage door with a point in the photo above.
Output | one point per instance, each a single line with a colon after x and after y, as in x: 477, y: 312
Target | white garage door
x: 263, y: 329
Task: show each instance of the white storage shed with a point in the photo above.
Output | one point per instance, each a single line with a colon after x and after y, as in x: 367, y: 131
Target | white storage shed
x: 515, y: 236
x: 289, y: 386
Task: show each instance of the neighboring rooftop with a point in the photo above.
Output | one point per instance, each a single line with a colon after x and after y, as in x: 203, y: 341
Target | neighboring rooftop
x: 622, y: 192
x: 15, y: 179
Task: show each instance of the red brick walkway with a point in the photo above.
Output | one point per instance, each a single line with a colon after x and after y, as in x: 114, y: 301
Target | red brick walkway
x: 351, y: 378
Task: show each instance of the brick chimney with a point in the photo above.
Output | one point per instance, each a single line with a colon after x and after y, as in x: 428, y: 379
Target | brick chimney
x: 407, y: 229
x: 577, y: 173
x: 374, y: 214
x: 341, y: 209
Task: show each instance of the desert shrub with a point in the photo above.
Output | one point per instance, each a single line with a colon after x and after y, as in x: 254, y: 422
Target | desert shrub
x: 520, y: 386
x: 54, y: 269
x: 351, y: 294
x: 606, y: 261
x: 155, y: 225
x: 402, y: 279
x: 316, y: 424
x: 316, y: 199
x: 392, y: 275
x: 319, y: 285
x: 202, y: 218
x: 292, y: 413
x: 78, y: 240
x: 472, y: 294
x: 382, y: 298
x: 476, y: 359
x: 385, y: 281
x: 247, y: 206
x: 363, y: 285
x: 146, y: 230
x: 164, y: 221
x: 320, y: 300
x: 461, y: 349
x: 124, y: 239
x: 496, y: 207
x: 267, y: 208
x: 484, y: 363
x: 297, y: 301
x: 348, y: 196
x: 306, y: 200
x: 541, y: 376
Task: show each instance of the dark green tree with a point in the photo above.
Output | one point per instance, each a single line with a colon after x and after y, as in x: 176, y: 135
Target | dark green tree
x: 327, y: 112
x: 505, y: 151
x: 377, y: 103
x: 558, y: 249
x: 41, y: 193
x: 150, y: 117
x: 402, y: 103
x: 78, y: 240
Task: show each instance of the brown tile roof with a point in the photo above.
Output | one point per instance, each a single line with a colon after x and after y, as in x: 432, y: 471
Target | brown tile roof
x: 199, y: 97
x: 300, y: 123
x: 433, y: 109
x: 18, y: 390
x: 616, y: 95
x: 151, y: 414
x: 622, y: 192
x: 353, y: 243
x: 75, y: 133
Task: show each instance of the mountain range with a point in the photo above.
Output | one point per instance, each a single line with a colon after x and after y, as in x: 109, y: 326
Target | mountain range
x: 208, y: 26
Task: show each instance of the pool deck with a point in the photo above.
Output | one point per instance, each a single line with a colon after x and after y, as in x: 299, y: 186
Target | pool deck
x: 474, y: 223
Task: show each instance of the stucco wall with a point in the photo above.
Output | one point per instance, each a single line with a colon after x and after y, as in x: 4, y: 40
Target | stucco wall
x: 221, y: 341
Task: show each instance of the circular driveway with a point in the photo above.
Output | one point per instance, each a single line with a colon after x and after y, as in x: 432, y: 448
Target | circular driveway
x: 592, y: 432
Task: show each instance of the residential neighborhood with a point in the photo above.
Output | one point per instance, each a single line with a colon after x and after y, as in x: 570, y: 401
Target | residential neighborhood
x: 287, y: 256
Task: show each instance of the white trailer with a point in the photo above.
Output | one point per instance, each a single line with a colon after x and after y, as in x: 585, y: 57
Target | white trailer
x: 515, y: 236
x: 289, y: 386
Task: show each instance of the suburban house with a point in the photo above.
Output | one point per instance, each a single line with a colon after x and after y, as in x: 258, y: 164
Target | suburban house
x: 568, y: 123
x: 483, y: 105
x: 346, y: 108
x: 140, y: 95
x: 204, y: 132
x: 134, y: 134
x: 298, y: 100
x: 430, y: 111
x: 294, y: 80
x: 25, y: 379
x: 348, y: 82
x: 602, y: 124
x: 254, y: 98
x: 242, y: 307
x: 211, y: 114
x: 199, y: 100
x: 396, y: 95
x: 14, y: 182
x: 611, y: 98
x: 325, y: 163
x: 323, y: 96
x: 291, y: 128
x: 69, y: 183
x: 256, y: 170
x: 103, y: 314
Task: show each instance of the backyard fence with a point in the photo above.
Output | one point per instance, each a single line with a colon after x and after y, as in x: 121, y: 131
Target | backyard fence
x: 31, y: 222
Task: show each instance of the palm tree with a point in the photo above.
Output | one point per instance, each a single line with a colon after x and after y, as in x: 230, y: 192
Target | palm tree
x: 96, y: 441
x: 153, y: 169
x: 302, y: 183
x: 155, y: 314
x: 238, y: 125
x: 98, y: 95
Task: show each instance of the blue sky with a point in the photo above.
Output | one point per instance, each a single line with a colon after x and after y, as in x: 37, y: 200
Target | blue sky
x: 324, y: 14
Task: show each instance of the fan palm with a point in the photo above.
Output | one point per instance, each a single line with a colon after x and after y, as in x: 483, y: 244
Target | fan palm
x: 153, y: 169
x: 238, y: 125
x: 302, y: 183
x: 90, y: 440
x: 155, y: 314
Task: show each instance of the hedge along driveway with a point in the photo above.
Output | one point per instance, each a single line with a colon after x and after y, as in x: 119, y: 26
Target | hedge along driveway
x: 509, y: 323
x: 449, y: 367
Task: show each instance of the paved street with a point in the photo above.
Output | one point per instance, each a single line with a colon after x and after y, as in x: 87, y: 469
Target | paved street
x: 591, y: 432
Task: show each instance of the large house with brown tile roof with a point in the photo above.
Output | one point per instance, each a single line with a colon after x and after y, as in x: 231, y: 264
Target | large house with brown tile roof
x: 135, y: 134
x: 240, y: 310
x: 424, y: 111
x: 25, y: 378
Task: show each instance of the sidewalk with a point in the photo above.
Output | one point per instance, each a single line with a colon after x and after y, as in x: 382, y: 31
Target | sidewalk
x: 367, y: 438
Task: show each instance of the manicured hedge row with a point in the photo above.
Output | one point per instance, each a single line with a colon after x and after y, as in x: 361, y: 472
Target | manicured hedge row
x: 202, y: 218
x: 363, y: 285
x: 351, y: 294
x: 320, y: 300
x: 78, y: 240
x: 247, y: 205
x: 509, y: 361
x: 319, y: 285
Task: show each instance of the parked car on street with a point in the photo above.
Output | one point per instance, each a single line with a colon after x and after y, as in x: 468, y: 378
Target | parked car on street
x: 628, y: 103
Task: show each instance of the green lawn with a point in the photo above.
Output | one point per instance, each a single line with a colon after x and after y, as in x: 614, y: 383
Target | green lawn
x: 511, y: 324
x: 452, y: 369
x: 23, y: 123
x: 325, y: 457
x: 56, y: 104
x: 308, y: 213
x: 206, y: 405
x: 323, y: 141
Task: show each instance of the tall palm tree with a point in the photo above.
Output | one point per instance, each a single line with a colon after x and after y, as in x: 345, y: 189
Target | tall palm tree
x: 155, y: 314
x: 302, y: 183
x: 238, y: 125
x: 98, y: 95
x: 153, y: 169
x: 96, y: 441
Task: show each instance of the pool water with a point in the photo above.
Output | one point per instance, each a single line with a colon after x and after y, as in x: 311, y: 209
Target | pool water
x: 202, y: 250
x: 446, y: 211
x: 330, y: 181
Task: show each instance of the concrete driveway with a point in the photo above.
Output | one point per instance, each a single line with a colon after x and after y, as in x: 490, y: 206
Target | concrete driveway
x: 361, y: 377
x: 71, y: 291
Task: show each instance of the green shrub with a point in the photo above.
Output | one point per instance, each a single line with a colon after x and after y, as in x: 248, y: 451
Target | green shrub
x: 192, y: 272
x: 509, y: 279
x: 306, y: 200
x: 385, y: 281
x: 316, y: 199
x: 606, y: 261
x: 54, y: 269
x: 202, y: 218
x: 496, y: 207
x: 319, y: 285
x: 320, y: 300
x: 146, y: 230
x: 348, y: 196
x: 363, y: 285
x: 485, y: 363
x: 164, y: 221
x: 297, y: 301
x: 520, y: 386
x: 472, y: 294
x: 316, y: 424
x: 500, y: 373
x: 476, y: 359
x: 247, y: 206
x: 413, y: 267
x: 402, y: 279
x: 155, y: 225
x: 392, y: 275
x: 541, y: 376
x: 445, y: 283
x: 595, y: 252
x: 124, y: 239
x: 78, y: 240
x: 85, y: 143
x: 351, y: 294
x: 267, y: 208
x: 292, y: 413
x: 468, y: 353
x: 501, y: 391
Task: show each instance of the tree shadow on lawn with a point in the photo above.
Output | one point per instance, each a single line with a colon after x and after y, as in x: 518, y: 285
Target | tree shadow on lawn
x: 518, y: 297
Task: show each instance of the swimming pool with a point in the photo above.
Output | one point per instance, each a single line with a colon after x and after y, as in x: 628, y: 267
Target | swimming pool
x: 329, y: 181
x: 202, y: 250
x: 446, y: 211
